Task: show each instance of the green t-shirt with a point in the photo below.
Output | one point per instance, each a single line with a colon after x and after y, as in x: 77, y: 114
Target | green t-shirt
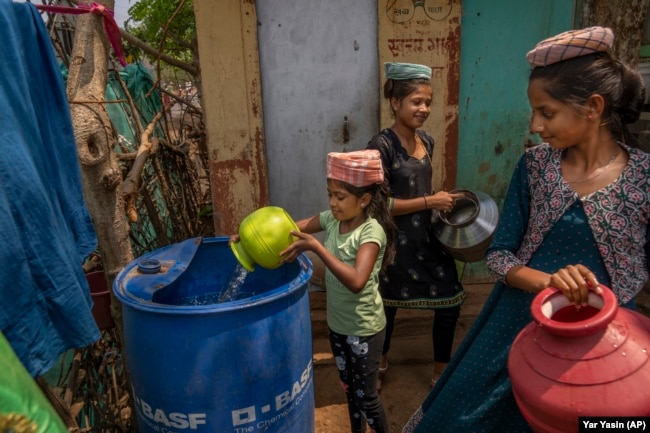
x: 360, y: 314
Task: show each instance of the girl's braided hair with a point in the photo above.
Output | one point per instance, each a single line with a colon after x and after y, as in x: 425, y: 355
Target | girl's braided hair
x: 378, y: 208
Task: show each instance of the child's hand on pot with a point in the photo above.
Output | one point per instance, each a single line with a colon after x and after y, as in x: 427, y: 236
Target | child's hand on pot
x: 304, y: 242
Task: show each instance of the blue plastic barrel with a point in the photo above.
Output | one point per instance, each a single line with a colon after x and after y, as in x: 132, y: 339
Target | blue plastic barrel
x: 198, y: 364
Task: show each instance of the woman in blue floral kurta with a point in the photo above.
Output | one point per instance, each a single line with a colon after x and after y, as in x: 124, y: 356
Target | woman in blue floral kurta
x: 576, y: 215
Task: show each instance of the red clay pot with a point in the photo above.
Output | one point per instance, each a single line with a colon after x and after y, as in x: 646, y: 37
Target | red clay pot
x: 569, y: 363
x: 101, y: 300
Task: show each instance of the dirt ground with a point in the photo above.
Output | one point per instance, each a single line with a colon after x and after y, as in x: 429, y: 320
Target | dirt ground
x: 410, y: 363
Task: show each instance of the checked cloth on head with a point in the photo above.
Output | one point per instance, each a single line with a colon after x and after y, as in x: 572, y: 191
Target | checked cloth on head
x: 570, y: 44
x: 358, y: 168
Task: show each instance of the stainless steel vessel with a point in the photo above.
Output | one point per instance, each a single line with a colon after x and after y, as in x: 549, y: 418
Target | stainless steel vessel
x: 466, y: 230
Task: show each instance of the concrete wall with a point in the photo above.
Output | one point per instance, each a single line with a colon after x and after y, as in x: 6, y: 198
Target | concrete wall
x: 493, y: 109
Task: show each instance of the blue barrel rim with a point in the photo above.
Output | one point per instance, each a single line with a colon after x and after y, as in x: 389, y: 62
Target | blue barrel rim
x: 302, y: 280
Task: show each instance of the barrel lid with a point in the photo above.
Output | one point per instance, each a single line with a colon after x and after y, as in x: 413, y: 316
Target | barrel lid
x: 142, y: 278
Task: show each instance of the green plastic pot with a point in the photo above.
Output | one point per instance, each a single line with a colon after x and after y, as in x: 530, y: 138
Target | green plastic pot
x: 263, y: 234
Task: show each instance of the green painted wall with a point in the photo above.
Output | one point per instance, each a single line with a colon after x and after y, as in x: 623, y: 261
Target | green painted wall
x: 493, y: 106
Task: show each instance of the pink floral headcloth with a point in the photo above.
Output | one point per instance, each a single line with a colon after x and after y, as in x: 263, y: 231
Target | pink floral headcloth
x: 358, y: 168
x: 570, y: 44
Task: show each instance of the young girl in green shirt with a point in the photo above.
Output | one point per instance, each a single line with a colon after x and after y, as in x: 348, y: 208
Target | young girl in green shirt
x: 359, y: 234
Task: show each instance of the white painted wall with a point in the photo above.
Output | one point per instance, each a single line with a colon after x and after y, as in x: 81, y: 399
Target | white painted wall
x: 318, y: 62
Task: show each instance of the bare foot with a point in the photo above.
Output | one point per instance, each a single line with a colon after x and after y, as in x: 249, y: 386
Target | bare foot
x: 438, y: 368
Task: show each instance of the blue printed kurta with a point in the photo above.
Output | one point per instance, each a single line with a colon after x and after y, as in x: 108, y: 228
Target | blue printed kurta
x: 545, y: 225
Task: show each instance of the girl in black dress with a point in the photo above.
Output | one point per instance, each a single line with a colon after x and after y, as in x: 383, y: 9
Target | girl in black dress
x: 423, y: 274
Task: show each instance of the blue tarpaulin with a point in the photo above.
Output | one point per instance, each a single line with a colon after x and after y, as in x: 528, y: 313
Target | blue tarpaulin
x: 45, y: 303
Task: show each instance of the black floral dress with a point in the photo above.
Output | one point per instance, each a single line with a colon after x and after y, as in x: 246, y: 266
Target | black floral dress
x: 423, y: 274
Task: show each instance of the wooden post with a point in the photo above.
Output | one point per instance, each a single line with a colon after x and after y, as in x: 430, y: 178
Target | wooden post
x: 232, y: 101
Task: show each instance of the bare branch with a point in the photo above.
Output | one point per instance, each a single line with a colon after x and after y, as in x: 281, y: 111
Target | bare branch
x: 132, y: 181
x: 191, y: 69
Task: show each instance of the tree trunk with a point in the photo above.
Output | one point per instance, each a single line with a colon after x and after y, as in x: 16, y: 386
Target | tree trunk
x: 100, y: 173
x: 625, y: 17
x: 101, y: 176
